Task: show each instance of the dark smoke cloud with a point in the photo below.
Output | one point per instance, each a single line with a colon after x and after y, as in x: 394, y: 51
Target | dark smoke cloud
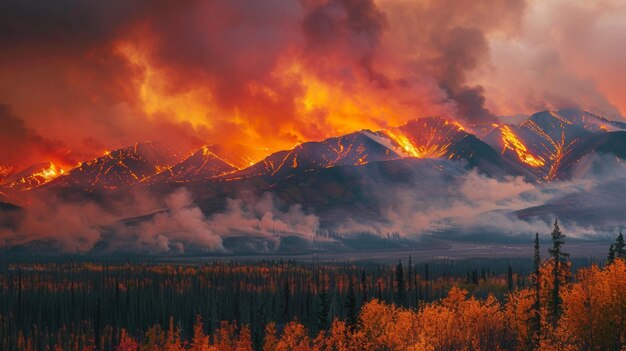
x: 22, y: 146
x: 235, y: 74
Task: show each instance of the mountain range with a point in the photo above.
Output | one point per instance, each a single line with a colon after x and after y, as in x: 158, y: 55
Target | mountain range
x: 566, y: 163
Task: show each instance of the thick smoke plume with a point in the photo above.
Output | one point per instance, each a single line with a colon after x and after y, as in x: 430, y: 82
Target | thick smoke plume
x: 174, y: 225
x: 248, y: 78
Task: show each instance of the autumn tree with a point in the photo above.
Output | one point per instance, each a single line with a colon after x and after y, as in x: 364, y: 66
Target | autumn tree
x: 270, y: 341
x: 594, y: 310
x: 295, y: 337
x: 173, y: 342
x: 199, y: 340
x: 126, y: 343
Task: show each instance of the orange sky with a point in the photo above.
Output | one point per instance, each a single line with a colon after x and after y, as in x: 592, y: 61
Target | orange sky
x: 248, y: 78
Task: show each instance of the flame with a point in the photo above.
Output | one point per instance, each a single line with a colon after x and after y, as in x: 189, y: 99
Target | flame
x: 49, y: 173
x: 513, y: 143
x: 5, y: 171
x: 404, y: 143
x: 555, y: 149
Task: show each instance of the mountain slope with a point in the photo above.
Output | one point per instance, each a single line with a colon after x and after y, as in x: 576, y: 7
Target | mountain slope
x: 352, y: 149
x: 550, y: 143
x: 201, y: 165
x: 118, y: 168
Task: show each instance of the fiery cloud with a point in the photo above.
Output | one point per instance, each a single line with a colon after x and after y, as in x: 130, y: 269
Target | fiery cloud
x: 248, y: 78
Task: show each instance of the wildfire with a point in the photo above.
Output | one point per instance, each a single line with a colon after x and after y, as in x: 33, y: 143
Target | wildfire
x: 49, y: 173
x: 404, y: 143
x: 512, y: 142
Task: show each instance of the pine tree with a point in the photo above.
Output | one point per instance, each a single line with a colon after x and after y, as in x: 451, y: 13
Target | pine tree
x: 364, y: 287
x: 351, y: 308
x: 509, y: 276
x: 537, y: 284
x: 286, y: 297
x: 323, y: 307
x: 620, y: 250
x: 611, y: 257
x: 410, y: 276
x: 399, y: 297
x: 559, y: 259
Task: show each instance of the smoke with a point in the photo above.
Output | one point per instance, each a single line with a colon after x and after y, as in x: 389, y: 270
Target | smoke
x: 183, y: 226
x: 482, y: 207
x: 174, y: 225
x: 565, y: 55
x: 246, y: 78
x: 21, y: 146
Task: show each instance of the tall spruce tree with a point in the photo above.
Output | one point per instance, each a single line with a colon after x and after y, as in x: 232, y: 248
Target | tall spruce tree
x: 560, y: 260
x: 617, y: 250
x: 399, y: 296
x: 411, y: 279
x: 364, y: 287
x: 509, y: 278
x: 537, y: 286
x: 611, y: 257
x: 620, y: 249
x: 351, y: 307
x: 323, y: 307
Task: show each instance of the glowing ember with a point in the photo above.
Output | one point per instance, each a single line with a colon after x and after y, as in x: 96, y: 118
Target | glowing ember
x: 513, y: 143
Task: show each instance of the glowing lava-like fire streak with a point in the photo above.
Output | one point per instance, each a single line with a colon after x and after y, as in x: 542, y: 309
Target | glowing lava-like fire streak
x: 561, y: 149
x: 512, y: 142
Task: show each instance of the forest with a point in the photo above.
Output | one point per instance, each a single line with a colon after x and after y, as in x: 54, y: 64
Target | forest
x: 545, y: 302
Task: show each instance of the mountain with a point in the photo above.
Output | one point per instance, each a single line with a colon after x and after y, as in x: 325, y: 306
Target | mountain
x: 4, y: 206
x: 600, y: 207
x: 352, y: 149
x: 201, y: 165
x: 119, y: 168
x: 428, y: 176
x: 31, y: 177
x: 549, y: 143
x: 430, y: 137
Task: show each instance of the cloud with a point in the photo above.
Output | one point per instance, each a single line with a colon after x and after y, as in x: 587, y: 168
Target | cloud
x: 142, y: 223
x: 246, y: 78
x: 22, y: 146
x: 565, y: 55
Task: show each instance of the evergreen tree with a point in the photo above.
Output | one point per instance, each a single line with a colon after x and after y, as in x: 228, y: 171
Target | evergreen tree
x: 351, y: 308
x: 399, y: 296
x: 364, y: 287
x: 611, y: 257
x: 286, y: 297
x: 620, y: 250
x: 537, y: 284
x: 560, y: 260
x: 323, y: 307
x: 509, y: 278
x: 410, y: 276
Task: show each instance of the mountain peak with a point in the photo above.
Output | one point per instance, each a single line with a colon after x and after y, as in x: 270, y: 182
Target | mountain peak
x: 201, y: 165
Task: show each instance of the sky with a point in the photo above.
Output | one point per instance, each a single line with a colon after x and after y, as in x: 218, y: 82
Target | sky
x: 246, y: 77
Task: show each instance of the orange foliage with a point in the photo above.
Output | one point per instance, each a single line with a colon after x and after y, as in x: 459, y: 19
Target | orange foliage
x: 295, y: 338
x: 127, y: 343
x: 595, y: 308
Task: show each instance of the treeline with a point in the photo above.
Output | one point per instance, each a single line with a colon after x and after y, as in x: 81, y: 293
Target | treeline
x: 287, y: 305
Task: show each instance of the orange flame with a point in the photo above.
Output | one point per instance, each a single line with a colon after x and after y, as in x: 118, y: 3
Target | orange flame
x: 513, y: 143
x: 404, y: 142
x: 49, y: 173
